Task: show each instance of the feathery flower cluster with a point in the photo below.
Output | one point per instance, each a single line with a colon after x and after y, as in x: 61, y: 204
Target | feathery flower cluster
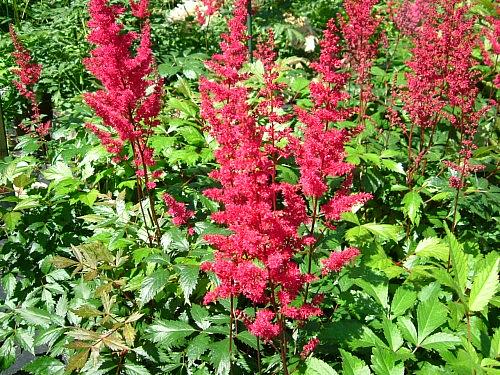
x: 209, y: 8
x: 411, y: 14
x: 359, y: 31
x: 264, y: 215
x: 130, y: 99
x: 442, y: 77
x: 180, y: 215
x: 28, y: 74
x: 309, y: 347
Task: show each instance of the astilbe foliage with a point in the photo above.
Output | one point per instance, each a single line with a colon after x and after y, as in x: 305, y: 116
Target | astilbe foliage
x: 130, y: 99
x: 442, y: 84
x: 258, y: 259
x: 28, y: 73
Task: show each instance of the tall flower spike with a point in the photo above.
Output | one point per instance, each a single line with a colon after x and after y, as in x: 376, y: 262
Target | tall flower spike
x: 442, y: 84
x: 28, y: 74
x: 359, y: 31
x: 130, y: 99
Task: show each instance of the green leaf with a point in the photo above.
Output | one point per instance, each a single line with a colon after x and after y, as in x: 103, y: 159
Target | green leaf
x: 315, y: 366
x: 384, y: 363
x: 200, y: 316
x: 26, y: 204
x: 352, y: 365
x: 36, y: 316
x: 192, y: 135
x: 45, y: 366
x: 403, y: 299
x: 199, y: 345
x: 135, y: 369
x: 392, y: 334
x: 48, y: 337
x: 169, y: 333
x: 408, y: 329
x: 411, y: 206
x: 11, y: 219
x: 485, y: 283
x: 188, y: 278
x: 153, y: 284
x: 440, y: 341
x: 58, y: 172
x: 459, y: 262
x: 378, y: 291
x: 9, y: 284
x: 220, y: 357
x: 495, y: 344
x: 25, y: 340
x: 384, y: 231
x: 430, y: 315
x: 433, y: 247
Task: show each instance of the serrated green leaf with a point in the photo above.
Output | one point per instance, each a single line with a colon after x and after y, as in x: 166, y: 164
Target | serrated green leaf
x: 169, y: 333
x: 9, y: 284
x: 135, y: 369
x: 26, y: 204
x: 392, y: 334
x: 440, y: 341
x: 411, y: 206
x: 153, y: 284
x: 431, y: 314
x: 11, y: 219
x: 384, y: 363
x: 378, y: 291
x: 199, y: 345
x: 384, y: 231
x: 485, y: 283
x: 36, y: 316
x: 403, y: 299
x: 495, y: 344
x: 248, y: 339
x: 188, y: 278
x: 459, y: 263
x: 48, y: 337
x: 433, y: 247
x: 315, y: 366
x: 25, y: 340
x: 58, y: 172
x: 220, y: 357
x: 352, y: 365
x: 45, y: 366
x: 408, y: 329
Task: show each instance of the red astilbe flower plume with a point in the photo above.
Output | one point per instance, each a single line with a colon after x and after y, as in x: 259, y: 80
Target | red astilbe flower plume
x: 411, y: 14
x: 264, y: 215
x: 359, y: 33
x: 130, y: 99
x: 338, y: 259
x: 442, y: 84
x: 180, y: 215
x: 322, y: 153
x: 28, y: 74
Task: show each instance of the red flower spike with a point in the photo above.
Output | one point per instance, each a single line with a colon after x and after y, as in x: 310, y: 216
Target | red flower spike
x: 130, y: 99
x: 28, y: 74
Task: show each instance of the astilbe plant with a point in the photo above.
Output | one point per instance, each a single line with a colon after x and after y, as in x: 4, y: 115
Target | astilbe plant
x: 268, y: 218
x: 28, y: 75
x: 131, y: 95
x: 441, y: 86
x: 359, y: 31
